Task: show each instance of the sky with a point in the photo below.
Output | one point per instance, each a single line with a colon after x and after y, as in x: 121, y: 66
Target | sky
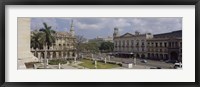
x: 91, y: 27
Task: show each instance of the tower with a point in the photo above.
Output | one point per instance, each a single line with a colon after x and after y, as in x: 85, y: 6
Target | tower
x: 137, y: 33
x: 116, y: 32
x: 72, y: 29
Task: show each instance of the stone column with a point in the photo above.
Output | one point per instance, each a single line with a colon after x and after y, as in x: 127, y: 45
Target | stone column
x: 66, y: 55
x: 61, y: 55
x: 51, y: 55
x: 24, y: 54
x: 39, y: 56
x: 57, y: 55
x: 135, y: 61
x: 105, y: 60
x: 82, y: 56
x: 92, y: 56
x: 47, y: 62
x: 95, y: 64
x: 108, y: 57
x: 70, y: 54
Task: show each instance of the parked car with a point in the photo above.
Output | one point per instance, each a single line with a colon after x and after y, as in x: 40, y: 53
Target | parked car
x: 158, y: 68
x: 144, y: 61
x: 171, y: 61
x: 155, y: 68
x: 177, y: 65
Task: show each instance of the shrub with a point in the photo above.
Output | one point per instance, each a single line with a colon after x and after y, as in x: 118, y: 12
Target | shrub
x: 56, y: 62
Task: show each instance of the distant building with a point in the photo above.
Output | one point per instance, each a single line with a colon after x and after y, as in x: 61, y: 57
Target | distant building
x: 108, y: 39
x: 166, y: 46
x: 99, y: 39
x: 130, y: 44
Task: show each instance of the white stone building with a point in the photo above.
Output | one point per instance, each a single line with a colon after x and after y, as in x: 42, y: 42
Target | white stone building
x: 130, y: 44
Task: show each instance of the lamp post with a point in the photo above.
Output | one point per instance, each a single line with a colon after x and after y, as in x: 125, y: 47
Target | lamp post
x: 135, y: 61
x: 92, y: 56
x: 95, y: 64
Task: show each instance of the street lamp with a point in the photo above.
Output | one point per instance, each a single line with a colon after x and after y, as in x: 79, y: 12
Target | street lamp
x: 134, y: 58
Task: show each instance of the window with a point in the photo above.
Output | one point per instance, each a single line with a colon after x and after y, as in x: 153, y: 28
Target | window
x: 127, y: 42
x: 142, y: 43
x: 132, y: 42
x: 169, y: 44
x: 160, y: 44
x: 165, y: 44
x: 142, y: 49
x: 176, y: 44
x: 172, y: 44
x: 137, y: 43
x: 123, y: 42
x: 148, y: 44
x: 156, y: 44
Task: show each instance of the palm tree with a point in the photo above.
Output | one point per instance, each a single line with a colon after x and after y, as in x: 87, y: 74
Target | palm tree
x: 36, y: 41
x: 47, y: 39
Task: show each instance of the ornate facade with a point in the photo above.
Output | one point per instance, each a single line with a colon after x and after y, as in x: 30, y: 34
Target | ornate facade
x: 63, y: 48
x: 167, y: 46
x: 130, y: 44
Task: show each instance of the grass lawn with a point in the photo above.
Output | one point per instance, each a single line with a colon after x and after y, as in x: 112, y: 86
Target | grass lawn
x: 100, y: 65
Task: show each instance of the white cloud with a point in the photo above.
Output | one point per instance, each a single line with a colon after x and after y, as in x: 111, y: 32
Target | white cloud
x: 106, y: 25
x: 80, y: 25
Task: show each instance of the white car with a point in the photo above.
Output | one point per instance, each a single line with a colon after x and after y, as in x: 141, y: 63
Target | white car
x: 144, y: 61
x: 177, y: 65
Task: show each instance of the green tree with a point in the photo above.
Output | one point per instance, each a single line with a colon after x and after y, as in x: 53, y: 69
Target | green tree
x: 106, y: 47
x: 36, y: 40
x: 79, y: 44
x: 92, y: 47
x: 47, y: 37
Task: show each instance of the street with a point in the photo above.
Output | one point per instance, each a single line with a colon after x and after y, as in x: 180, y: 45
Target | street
x: 150, y: 63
